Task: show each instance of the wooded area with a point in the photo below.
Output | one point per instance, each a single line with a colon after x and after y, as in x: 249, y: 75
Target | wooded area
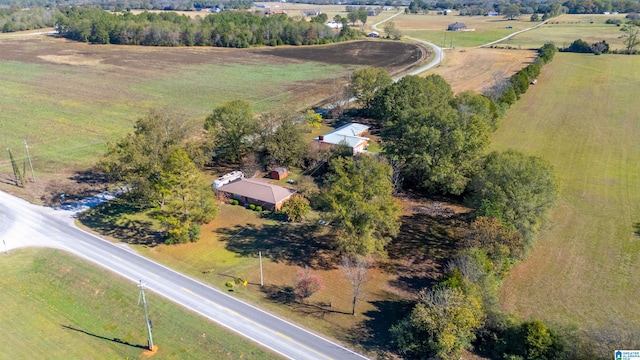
x: 225, y: 29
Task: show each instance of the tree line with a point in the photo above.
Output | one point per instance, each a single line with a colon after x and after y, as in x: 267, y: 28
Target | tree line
x: 14, y: 18
x: 225, y: 29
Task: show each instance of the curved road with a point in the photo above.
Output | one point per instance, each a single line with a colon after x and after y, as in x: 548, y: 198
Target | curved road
x: 23, y: 224
x: 437, y: 59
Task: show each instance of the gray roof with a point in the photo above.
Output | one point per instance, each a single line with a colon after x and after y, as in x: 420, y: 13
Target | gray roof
x: 348, y: 134
x: 258, y: 189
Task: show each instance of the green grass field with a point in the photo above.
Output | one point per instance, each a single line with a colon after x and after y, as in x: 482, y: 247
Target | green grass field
x: 56, y: 306
x: 565, y: 29
x: 431, y: 27
x: 69, y: 99
x: 582, y: 117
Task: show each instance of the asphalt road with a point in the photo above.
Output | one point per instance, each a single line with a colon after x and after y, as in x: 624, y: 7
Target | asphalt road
x: 23, y: 224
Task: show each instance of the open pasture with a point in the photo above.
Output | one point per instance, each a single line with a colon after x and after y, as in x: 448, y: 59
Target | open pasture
x: 564, y: 29
x: 432, y: 28
x: 477, y: 68
x: 55, y: 306
x: 69, y: 99
x: 582, y: 117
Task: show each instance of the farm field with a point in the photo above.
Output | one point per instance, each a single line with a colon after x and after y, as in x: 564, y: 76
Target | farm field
x: 431, y: 27
x: 69, y: 99
x: 564, y: 29
x: 477, y: 68
x: 583, y: 270
x: 56, y: 306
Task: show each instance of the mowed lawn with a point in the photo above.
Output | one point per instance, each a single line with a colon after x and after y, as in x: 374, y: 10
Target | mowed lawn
x: 55, y: 306
x: 482, y: 29
x: 582, y: 116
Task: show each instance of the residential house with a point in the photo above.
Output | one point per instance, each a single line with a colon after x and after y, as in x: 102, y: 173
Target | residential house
x: 457, y: 26
x: 257, y: 192
x: 349, y: 134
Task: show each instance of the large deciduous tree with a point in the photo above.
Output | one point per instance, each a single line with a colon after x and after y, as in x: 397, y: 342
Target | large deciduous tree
x: 365, y: 82
x: 286, y: 144
x: 515, y: 188
x: 360, y: 204
x: 234, y: 128
x: 437, y: 139
x: 441, y: 325
x: 138, y: 159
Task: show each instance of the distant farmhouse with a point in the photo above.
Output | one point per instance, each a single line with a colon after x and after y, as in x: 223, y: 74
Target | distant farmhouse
x: 257, y: 192
x: 457, y: 26
x: 493, y: 13
x: 349, y: 134
x: 313, y: 12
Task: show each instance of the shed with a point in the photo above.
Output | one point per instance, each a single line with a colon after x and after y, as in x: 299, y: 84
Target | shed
x: 279, y: 173
x: 456, y: 26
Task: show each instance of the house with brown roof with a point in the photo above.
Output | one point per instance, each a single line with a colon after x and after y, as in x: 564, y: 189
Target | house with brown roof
x: 257, y: 192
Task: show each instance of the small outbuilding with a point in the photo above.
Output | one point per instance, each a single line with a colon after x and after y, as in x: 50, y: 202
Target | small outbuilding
x: 279, y: 173
x: 457, y: 26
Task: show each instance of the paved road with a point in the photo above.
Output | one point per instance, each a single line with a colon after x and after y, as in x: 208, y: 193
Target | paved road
x: 437, y: 59
x: 23, y: 224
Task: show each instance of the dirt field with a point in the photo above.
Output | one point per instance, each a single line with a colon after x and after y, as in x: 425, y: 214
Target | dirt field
x: 476, y: 68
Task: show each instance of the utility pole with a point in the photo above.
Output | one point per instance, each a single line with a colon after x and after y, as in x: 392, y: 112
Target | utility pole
x: 146, y: 313
x: 33, y: 176
x: 260, y: 256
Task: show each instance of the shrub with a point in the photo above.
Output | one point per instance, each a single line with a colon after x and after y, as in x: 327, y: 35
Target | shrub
x: 258, y: 208
x: 307, y: 284
x: 617, y: 22
x: 230, y: 285
x: 252, y: 206
x: 579, y: 46
x: 600, y: 47
x: 234, y: 202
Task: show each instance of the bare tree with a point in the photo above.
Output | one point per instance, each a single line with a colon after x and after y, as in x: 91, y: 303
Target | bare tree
x: 498, y: 86
x: 396, y: 175
x: 339, y: 98
x: 355, y: 270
